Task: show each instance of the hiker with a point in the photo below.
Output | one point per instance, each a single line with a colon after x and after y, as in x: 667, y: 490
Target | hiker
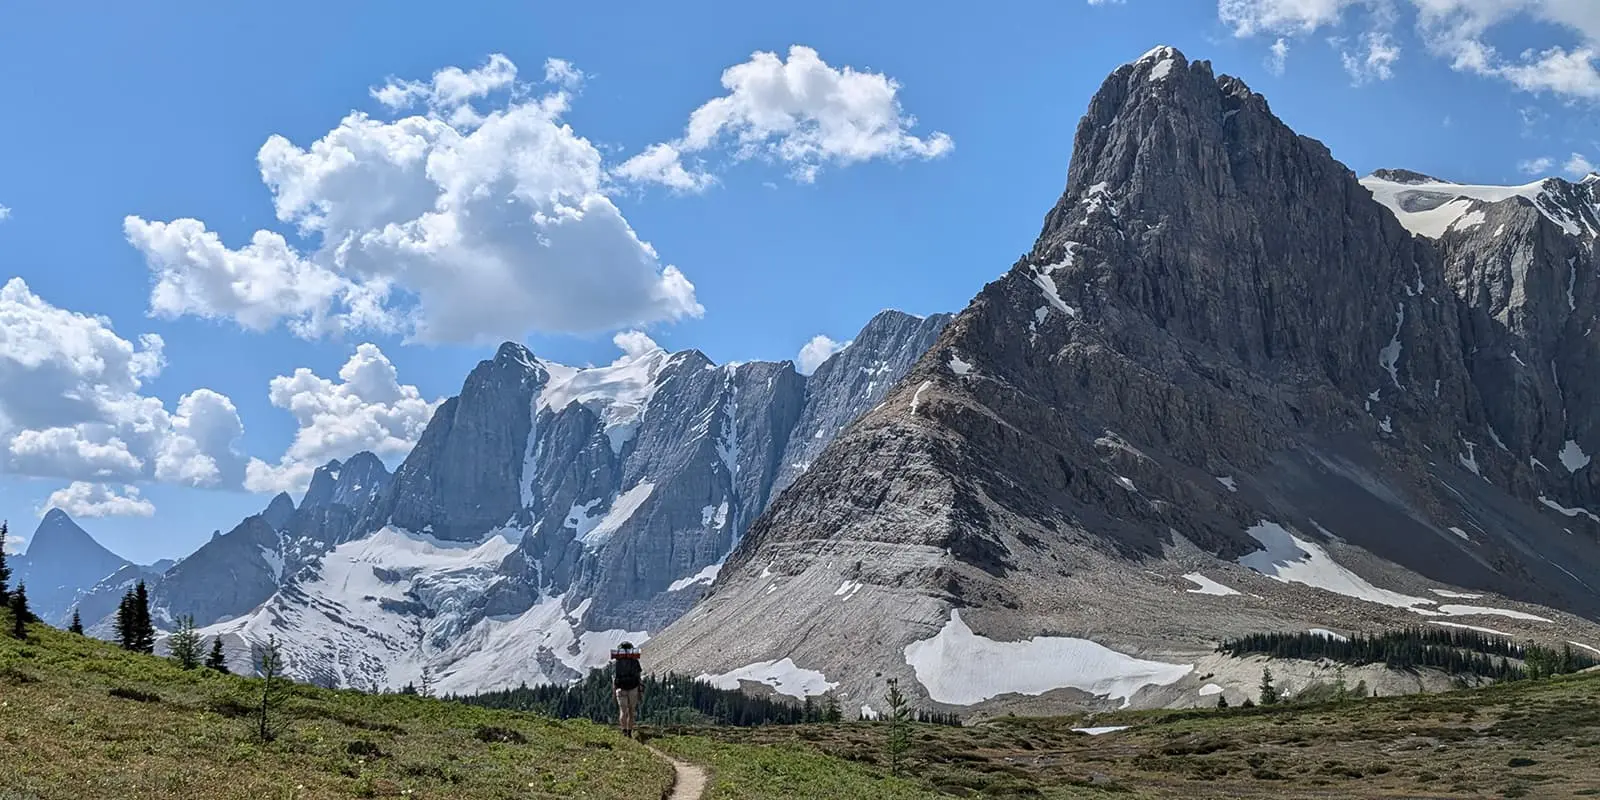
x: 628, y: 684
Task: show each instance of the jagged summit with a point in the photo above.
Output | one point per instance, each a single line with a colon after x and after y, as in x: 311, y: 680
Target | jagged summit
x: 1221, y: 358
x: 61, y: 559
x: 1405, y: 176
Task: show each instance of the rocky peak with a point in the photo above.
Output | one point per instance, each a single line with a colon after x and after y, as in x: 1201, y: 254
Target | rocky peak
x: 280, y: 510
x: 1405, y: 176
x: 464, y: 476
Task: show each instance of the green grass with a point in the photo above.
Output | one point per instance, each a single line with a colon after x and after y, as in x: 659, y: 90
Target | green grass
x: 788, y: 771
x: 83, y: 720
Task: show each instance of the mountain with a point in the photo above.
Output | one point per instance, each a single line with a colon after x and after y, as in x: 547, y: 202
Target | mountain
x: 235, y: 572
x: 1226, y: 392
x: 62, y: 561
x: 549, y: 512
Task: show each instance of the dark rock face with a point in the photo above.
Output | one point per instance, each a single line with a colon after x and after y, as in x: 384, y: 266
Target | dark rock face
x: 1217, y: 326
x: 854, y: 380
x: 463, y: 478
x: 62, y: 562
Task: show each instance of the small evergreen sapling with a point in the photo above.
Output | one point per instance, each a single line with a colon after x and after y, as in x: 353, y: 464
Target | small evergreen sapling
x: 216, y: 660
x: 898, y: 715
x: 184, y: 644
x: 76, y: 626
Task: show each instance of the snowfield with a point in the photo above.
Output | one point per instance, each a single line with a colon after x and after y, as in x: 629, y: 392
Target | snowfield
x: 961, y: 668
x: 1208, y: 586
x: 379, y: 609
x: 785, y: 678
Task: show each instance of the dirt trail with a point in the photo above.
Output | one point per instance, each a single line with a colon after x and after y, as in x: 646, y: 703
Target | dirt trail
x: 690, y: 781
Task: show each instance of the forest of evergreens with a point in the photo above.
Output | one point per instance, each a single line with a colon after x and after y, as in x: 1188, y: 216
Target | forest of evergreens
x: 1455, y: 651
x: 671, y: 700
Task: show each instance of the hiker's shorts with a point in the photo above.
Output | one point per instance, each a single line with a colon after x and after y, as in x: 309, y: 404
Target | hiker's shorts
x: 628, y: 705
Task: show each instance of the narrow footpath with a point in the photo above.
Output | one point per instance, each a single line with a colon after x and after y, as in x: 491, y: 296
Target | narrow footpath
x: 690, y: 780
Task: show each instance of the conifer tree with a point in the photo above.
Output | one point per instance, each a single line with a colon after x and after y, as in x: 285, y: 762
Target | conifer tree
x: 830, y: 708
x: 144, y: 630
x: 184, y: 644
x: 898, y: 716
x: 21, y: 615
x: 269, y: 665
x: 5, y: 569
x: 77, y: 623
x: 1222, y: 701
x: 1269, y: 692
x: 216, y: 661
x: 125, y: 625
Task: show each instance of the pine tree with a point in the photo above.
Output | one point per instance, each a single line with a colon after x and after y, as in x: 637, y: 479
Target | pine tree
x: 217, y: 661
x: 184, y: 644
x: 1222, y: 702
x: 1341, y: 690
x: 269, y: 665
x: 426, y: 689
x: 144, y: 630
x: 76, y: 626
x: 125, y: 625
x: 830, y: 708
x: 898, y: 716
x: 21, y: 615
x: 1269, y: 692
x: 5, y: 569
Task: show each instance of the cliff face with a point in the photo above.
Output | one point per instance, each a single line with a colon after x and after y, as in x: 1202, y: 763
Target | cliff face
x: 1221, y: 354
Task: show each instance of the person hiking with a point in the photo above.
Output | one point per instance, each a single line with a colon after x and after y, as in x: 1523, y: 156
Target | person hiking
x: 628, y: 684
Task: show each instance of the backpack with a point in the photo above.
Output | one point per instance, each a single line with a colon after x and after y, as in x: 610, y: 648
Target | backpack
x: 629, y: 673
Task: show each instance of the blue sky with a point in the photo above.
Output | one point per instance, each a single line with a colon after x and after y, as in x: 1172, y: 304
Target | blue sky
x: 791, y: 218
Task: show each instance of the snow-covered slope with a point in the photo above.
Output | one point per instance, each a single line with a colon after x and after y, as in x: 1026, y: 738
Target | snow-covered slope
x: 550, y: 511
x: 1431, y: 207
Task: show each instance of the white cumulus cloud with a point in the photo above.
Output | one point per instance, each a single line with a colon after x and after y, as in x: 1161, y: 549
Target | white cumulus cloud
x: 5, y: 213
x: 1536, y: 166
x: 1461, y: 32
x: 798, y: 111
x: 368, y: 408
x: 1372, y: 60
x: 634, y: 344
x: 480, y: 216
x: 1278, y: 56
x: 81, y: 499
x: 1578, y: 165
x: 70, y: 405
x: 816, y: 351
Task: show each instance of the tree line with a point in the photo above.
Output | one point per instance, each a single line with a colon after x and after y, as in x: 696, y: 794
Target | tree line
x: 1456, y: 651
x: 672, y: 699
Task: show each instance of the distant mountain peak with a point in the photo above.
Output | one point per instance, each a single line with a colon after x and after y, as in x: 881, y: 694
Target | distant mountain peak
x: 1406, y: 176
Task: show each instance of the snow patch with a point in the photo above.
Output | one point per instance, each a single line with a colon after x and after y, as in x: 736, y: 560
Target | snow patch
x: 714, y: 517
x: 622, y: 509
x: 961, y: 668
x: 1468, y: 627
x: 619, y: 393
x: 1389, y: 356
x: 1208, y: 586
x: 1590, y: 648
x: 958, y: 366
x: 1570, y: 512
x: 1209, y: 690
x: 847, y: 589
x: 1455, y: 595
x: 1161, y: 70
x: 1290, y: 559
x: 1126, y: 484
x: 1327, y: 634
x: 1227, y: 481
x: 274, y: 561
x: 706, y: 575
x: 1480, y: 611
x: 783, y: 676
x: 1105, y: 729
x: 1572, y: 456
x: 1461, y: 533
